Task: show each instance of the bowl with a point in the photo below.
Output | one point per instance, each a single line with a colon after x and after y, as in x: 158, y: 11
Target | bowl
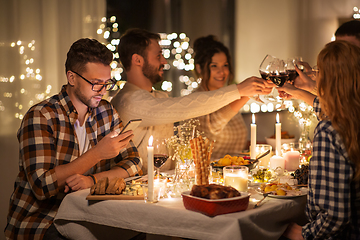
x: 213, y: 207
x: 251, y: 165
x: 272, y: 141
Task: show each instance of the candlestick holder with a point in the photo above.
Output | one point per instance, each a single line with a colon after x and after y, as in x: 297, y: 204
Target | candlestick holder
x: 236, y: 177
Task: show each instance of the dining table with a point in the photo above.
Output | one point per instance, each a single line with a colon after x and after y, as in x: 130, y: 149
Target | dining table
x: 79, y: 218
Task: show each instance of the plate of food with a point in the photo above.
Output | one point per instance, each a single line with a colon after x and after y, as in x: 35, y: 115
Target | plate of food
x: 115, y: 189
x: 280, y: 190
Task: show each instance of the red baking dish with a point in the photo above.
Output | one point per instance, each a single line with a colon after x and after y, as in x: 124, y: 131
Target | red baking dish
x: 213, y: 207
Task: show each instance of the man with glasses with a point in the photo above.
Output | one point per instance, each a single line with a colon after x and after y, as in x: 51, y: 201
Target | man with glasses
x: 67, y: 143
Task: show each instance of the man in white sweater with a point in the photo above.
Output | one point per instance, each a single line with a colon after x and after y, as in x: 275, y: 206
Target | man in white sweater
x: 142, y: 59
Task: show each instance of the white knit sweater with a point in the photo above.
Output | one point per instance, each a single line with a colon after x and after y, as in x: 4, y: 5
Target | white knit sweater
x: 159, y: 112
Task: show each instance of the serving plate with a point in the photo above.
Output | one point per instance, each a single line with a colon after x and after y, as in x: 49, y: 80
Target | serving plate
x: 301, y: 192
x: 114, y: 197
x: 213, y: 207
x: 286, y: 196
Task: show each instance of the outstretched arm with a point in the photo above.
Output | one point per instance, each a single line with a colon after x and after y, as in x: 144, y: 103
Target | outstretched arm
x: 132, y: 102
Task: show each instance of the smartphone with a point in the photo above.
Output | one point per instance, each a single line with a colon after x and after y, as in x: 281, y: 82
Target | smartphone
x: 131, y: 125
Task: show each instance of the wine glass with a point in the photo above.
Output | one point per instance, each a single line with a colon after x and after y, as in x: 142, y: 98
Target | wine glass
x: 265, y: 69
x: 279, y: 75
x: 298, y: 61
x: 290, y: 64
x: 272, y: 68
x: 266, y: 66
x: 161, y: 154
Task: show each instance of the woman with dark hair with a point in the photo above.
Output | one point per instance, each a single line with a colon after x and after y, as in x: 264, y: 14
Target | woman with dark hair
x: 333, y: 204
x: 226, y: 126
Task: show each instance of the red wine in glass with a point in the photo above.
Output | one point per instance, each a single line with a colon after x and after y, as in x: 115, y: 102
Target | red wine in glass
x: 159, y: 160
x: 161, y: 154
x: 280, y: 79
x: 264, y: 75
x: 292, y: 75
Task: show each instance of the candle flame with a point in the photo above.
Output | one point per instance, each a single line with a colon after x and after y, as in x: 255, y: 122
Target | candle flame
x: 277, y: 118
x: 151, y: 138
x: 253, y: 118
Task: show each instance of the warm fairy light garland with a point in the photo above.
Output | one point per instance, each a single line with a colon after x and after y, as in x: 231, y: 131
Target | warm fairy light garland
x: 356, y: 13
x: 176, y: 48
x: 27, y: 79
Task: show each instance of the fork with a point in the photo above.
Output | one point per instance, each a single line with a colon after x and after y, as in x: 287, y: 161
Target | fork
x: 259, y: 202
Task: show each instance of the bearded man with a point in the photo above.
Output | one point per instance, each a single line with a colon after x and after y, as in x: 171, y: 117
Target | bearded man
x: 142, y: 59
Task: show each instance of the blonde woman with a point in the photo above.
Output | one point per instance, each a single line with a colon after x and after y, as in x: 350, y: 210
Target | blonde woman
x: 333, y: 205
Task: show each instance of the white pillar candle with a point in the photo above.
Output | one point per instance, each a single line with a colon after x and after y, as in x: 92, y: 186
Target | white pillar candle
x: 292, y: 160
x: 150, y: 151
x: 253, y: 139
x: 277, y: 136
x: 277, y: 161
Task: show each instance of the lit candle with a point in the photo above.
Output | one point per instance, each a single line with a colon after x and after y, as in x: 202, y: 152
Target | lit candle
x: 277, y: 161
x: 253, y: 138
x: 278, y: 135
x: 150, y: 151
x: 236, y: 177
x: 237, y: 181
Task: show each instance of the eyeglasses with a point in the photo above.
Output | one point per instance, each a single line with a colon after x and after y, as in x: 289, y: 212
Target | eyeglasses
x: 97, y: 87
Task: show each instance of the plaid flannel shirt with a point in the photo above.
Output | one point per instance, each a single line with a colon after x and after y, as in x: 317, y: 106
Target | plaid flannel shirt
x: 47, y: 139
x: 333, y: 205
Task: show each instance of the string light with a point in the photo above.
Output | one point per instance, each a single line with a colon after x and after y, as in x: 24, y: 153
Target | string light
x: 176, y: 49
x: 26, y: 87
x: 356, y: 13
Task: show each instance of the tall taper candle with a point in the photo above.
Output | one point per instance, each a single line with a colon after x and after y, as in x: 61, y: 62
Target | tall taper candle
x: 253, y: 139
x: 278, y: 135
x: 150, y: 151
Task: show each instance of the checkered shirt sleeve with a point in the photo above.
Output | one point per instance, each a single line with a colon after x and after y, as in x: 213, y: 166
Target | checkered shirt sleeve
x: 330, y: 174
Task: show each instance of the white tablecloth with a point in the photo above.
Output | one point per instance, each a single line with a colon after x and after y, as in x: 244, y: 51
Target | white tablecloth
x: 78, y: 218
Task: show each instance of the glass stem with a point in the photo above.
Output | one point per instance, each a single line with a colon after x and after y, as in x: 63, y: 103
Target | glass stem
x: 158, y: 172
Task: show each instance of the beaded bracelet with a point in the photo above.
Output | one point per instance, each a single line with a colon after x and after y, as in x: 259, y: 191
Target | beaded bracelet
x: 93, y: 178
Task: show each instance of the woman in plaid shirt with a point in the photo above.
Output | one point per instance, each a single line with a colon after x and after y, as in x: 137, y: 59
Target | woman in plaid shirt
x: 333, y: 205
x: 68, y: 141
